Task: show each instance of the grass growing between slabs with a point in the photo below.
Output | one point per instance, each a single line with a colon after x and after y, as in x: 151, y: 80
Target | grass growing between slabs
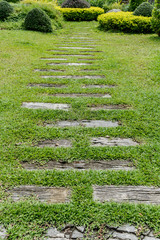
x: 131, y: 63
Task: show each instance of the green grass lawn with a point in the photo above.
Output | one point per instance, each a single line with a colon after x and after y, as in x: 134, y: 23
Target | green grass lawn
x: 131, y: 63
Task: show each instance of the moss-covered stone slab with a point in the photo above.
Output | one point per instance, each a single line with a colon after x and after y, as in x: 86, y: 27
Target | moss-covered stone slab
x: 43, y: 194
x: 54, y: 143
x: 132, y: 194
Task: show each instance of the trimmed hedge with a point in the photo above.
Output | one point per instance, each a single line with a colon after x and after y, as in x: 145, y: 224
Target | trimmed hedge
x: 156, y: 18
x: 126, y: 22
x: 37, y: 20
x: 81, y: 14
x: 144, y: 9
x: 5, y: 10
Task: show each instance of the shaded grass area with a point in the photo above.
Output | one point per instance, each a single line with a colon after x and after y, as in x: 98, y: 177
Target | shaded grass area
x: 131, y: 63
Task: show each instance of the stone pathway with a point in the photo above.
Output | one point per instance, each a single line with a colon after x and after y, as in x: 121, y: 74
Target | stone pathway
x: 3, y: 232
x: 124, y: 232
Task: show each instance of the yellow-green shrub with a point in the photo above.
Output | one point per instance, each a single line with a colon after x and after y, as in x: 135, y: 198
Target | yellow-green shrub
x: 81, y: 14
x: 126, y: 22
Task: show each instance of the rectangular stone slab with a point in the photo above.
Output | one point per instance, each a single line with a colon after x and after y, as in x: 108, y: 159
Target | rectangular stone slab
x: 53, y: 106
x: 49, y: 70
x: 109, y: 107
x: 132, y: 194
x: 98, y: 86
x: 77, y: 47
x: 82, y: 165
x: 44, y: 194
x: 54, y: 143
x: 47, y: 85
x: 59, y: 59
x: 112, y: 142
x: 74, y: 55
x: 75, y: 76
x: 84, y: 123
x: 69, y: 64
x: 74, y: 95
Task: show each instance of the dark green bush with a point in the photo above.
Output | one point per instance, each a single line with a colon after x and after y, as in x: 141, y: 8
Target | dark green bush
x: 37, y: 20
x: 144, y: 9
x: 96, y: 3
x: 5, y: 10
x: 156, y: 18
x: 134, y: 4
x: 75, y: 4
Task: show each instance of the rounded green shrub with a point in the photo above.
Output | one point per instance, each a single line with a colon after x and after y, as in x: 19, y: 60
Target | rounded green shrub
x: 156, y: 18
x: 75, y: 4
x: 133, y: 4
x: 37, y: 20
x: 144, y: 9
x: 5, y: 10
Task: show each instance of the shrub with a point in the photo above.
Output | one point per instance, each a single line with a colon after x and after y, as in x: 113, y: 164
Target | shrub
x: 38, y: 20
x: 75, y: 4
x: 134, y: 4
x: 156, y: 18
x: 126, y: 22
x: 97, y: 3
x: 5, y: 10
x: 81, y: 14
x: 144, y: 9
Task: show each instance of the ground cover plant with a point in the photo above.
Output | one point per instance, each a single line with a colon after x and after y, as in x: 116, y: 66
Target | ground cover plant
x: 128, y: 62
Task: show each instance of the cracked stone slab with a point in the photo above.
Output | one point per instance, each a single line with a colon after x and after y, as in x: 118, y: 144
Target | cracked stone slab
x: 150, y: 238
x: 3, y: 232
x: 43, y: 194
x: 54, y: 143
x: 112, y: 142
x: 76, y: 76
x: 52, y: 106
x: 108, y: 107
x: 69, y: 64
x: 125, y: 236
x: 127, y: 228
x: 82, y: 165
x: 131, y: 194
x: 98, y: 86
x: 59, y: 59
x: 84, y: 123
x: 47, y: 85
x: 74, y: 95
x: 49, y: 70
x: 77, y: 47
x: 53, y: 233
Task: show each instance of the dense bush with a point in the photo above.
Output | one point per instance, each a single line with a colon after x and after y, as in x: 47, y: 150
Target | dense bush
x: 144, y: 9
x: 5, y: 10
x: 81, y: 14
x: 96, y: 3
x: 37, y: 20
x: 75, y: 4
x: 126, y: 22
x: 156, y: 18
x: 134, y: 4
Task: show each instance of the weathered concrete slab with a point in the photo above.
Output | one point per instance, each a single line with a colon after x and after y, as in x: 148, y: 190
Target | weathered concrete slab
x: 82, y: 165
x: 43, y: 194
x: 49, y: 70
x: 54, y: 143
x: 77, y: 47
x: 84, y: 123
x: 132, y: 194
x: 74, y: 95
x: 56, y: 59
x: 47, y: 85
x: 112, y: 142
x: 74, y: 55
x: 108, y: 107
x: 76, y: 76
x: 98, y: 86
x: 69, y: 64
x: 53, y: 106
x: 3, y: 232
